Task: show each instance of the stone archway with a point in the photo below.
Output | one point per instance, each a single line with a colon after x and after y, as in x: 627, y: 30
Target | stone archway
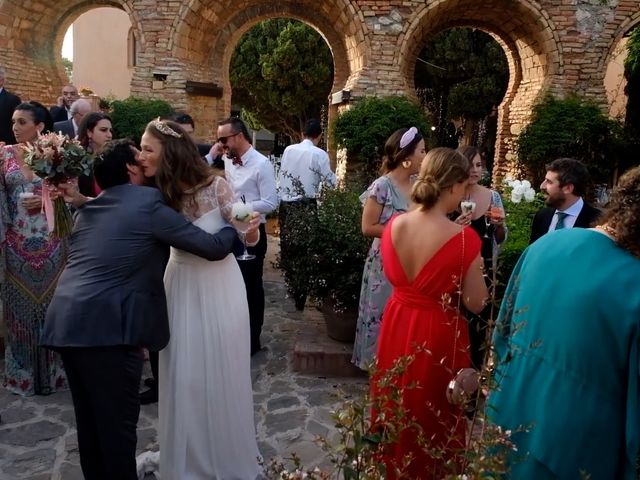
x: 528, y: 38
x: 34, y: 32
x: 334, y: 20
x: 552, y: 45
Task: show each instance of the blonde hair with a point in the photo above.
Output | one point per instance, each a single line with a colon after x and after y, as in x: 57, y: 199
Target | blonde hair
x: 441, y: 169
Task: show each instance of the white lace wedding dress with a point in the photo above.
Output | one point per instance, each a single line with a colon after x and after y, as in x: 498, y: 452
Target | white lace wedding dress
x: 206, y: 423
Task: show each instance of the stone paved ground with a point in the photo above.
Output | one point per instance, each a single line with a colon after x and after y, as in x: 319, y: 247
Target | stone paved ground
x: 37, y: 434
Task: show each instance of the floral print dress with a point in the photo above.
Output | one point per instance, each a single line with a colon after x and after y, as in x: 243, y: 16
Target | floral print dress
x: 375, y: 289
x: 31, y: 264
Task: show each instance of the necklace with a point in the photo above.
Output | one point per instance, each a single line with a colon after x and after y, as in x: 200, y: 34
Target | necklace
x: 608, y: 230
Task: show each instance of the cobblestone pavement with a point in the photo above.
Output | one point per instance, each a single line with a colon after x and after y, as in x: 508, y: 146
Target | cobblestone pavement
x: 38, y: 438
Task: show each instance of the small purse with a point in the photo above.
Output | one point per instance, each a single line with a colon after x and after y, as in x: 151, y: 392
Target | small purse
x: 461, y: 389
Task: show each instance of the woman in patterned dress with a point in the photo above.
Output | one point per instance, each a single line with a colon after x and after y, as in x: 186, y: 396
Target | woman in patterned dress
x: 32, y: 262
x: 385, y: 197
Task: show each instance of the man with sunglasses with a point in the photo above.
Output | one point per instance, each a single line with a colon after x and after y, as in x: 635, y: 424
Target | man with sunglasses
x: 252, y: 178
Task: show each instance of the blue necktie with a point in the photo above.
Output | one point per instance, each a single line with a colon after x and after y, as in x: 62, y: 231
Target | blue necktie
x: 561, y: 216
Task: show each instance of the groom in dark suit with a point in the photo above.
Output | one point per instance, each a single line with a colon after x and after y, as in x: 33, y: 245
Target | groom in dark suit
x: 564, y: 187
x: 110, y: 302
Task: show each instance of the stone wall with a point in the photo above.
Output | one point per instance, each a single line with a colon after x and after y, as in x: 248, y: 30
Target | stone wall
x: 551, y: 45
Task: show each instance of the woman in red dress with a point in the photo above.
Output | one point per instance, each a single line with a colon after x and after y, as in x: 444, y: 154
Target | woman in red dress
x: 434, y: 266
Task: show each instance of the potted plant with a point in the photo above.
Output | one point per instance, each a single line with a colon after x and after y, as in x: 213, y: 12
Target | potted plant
x: 328, y: 258
x: 338, y: 252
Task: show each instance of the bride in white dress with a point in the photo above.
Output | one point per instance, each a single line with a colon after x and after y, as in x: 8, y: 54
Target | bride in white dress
x: 206, y: 423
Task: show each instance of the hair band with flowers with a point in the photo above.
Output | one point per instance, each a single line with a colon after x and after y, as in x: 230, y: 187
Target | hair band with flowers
x: 165, y: 129
x: 56, y: 159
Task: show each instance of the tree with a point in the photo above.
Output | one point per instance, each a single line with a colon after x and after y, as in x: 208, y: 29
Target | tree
x: 68, y: 67
x: 364, y: 128
x: 281, y: 75
x: 461, y: 73
x: 570, y: 127
x: 632, y: 90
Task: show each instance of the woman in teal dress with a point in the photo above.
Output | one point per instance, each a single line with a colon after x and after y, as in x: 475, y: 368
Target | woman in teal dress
x: 388, y: 195
x: 31, y: 265
x: 567, y: 345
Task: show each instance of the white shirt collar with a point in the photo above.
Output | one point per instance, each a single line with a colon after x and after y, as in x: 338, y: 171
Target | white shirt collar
x: 575, y: 209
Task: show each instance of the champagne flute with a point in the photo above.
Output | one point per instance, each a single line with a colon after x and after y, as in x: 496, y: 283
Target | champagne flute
x: 242, y: 214
x: 487, y: 219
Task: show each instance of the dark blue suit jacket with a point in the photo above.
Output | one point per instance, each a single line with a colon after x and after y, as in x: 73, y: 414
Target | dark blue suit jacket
x: 111, y: 291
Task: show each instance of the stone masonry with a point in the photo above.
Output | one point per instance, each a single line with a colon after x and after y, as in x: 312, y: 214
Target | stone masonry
x: 560, y: 46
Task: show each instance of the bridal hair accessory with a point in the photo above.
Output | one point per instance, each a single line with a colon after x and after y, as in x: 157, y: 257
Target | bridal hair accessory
x: 164, y: 128
x: 408, y: 137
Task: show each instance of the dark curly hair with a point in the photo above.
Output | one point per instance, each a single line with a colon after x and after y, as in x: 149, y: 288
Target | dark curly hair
x: 623, y: 211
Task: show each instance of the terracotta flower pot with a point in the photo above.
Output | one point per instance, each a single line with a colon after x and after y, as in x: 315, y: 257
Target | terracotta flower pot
x: 341, y: 325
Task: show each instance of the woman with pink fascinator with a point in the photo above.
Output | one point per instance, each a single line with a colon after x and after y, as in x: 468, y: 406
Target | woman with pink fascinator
x: 387, y: 196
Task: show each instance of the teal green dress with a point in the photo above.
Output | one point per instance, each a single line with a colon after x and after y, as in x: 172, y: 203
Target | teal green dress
x: 566, y: 343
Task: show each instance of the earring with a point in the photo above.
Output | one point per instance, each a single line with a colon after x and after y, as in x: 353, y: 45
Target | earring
x: 406, y: 164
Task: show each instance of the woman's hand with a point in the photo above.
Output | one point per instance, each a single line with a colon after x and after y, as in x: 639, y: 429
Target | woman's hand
x: 32, y: 203
x: 252, y: 233
x: 464, y: 219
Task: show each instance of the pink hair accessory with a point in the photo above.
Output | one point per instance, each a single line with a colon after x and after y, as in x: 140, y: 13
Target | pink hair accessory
x: 408, y: 137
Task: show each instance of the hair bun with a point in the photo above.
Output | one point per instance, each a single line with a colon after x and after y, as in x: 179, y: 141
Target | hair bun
x: 425, y: 190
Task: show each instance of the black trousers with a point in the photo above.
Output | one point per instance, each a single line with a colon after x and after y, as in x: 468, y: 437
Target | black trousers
x: 104, y: 385
x: 252, y: 275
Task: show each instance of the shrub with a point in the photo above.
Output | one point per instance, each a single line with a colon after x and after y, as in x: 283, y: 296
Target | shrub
x: 339, y: 249
x: 130, y: 116
x: 363, y: 129
x: 571, y: 127
x: 329, y: 249
x: 519, y: 219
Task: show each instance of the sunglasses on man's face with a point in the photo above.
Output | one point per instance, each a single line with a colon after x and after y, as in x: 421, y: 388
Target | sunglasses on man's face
x: 223, y: 140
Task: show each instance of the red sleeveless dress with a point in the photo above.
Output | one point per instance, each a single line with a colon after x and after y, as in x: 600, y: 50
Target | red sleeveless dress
x: 424, y: 311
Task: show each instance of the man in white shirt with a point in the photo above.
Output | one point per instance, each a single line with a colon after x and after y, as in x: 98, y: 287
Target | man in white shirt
x: 303, y: 169
x: 564, y: 185
x: 252, y: 178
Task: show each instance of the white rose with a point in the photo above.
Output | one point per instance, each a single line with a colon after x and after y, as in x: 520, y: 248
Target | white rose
x: 516, y: 197
x: 516, y: 183
x: 529, y: 194
x: 519, y: 189
x: 526, y: 183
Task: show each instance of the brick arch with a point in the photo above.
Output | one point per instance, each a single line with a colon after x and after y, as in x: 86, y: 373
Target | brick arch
x: 335, y: 20
x: 35, y: 41
x: 621, y: 29
x: 524, y: 31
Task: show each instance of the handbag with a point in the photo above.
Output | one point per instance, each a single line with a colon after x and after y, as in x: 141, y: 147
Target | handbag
x: 464, y: 385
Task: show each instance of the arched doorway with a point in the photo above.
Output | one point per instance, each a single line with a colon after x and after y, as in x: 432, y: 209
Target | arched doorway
x: 528, y: 39
x: 334, y: 20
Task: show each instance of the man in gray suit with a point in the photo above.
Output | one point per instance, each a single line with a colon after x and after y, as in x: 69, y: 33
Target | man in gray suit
x: 70, y: 127
x: 110, y: 302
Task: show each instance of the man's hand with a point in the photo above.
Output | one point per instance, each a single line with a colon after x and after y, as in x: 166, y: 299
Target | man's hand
x: 216, y: 150
x: 70, y: 193
x: 60, y: 102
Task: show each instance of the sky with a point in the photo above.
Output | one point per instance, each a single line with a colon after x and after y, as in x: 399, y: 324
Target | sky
x: 67, y: 44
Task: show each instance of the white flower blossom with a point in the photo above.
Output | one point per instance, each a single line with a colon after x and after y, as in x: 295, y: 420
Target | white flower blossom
x: 529, y: 194
x: 526, y: 183
x: 516, y: 196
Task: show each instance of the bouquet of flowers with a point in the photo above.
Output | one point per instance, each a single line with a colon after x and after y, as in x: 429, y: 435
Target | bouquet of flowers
x: 57, y: 159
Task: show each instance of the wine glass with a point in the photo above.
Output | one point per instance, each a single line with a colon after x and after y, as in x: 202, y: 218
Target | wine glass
x: 241, y: 213
x: 467, y: 206
x: 487, y: 219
